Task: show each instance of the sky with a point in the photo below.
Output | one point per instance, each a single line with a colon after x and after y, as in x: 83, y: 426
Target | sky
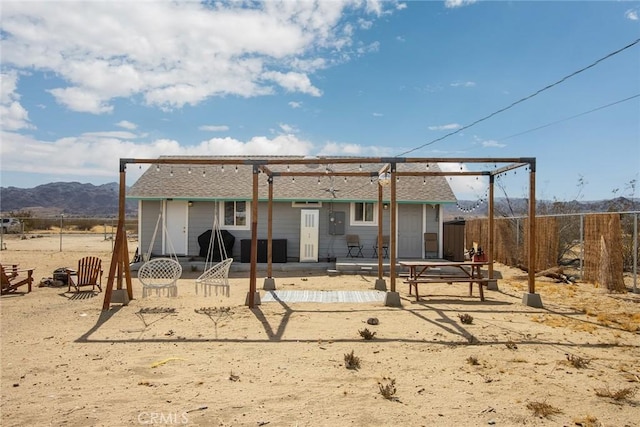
x: 84, y: 84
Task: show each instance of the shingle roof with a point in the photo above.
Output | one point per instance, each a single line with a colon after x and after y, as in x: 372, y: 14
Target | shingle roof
x: 231, y: 183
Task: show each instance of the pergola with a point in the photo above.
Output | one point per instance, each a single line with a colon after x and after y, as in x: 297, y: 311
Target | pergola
x: 388, y: 174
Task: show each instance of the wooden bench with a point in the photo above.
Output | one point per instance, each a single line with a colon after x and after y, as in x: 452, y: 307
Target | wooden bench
x: 413, y: 283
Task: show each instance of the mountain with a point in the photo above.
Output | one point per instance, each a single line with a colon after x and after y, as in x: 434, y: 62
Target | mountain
x: 519, y: 207
x: 69, y: 198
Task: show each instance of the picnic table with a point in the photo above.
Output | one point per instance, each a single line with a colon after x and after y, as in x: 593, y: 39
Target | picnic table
x: 434, y: 271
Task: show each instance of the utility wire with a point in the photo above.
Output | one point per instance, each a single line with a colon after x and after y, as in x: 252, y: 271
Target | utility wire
x: 570, y: 118
x: 635, y: 42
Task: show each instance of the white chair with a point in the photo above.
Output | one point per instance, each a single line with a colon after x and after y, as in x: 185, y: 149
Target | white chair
x: 215, y: 277
x: 160, y: 274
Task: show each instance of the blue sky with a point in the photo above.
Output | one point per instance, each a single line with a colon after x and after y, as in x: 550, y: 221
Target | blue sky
x: 87, y: 83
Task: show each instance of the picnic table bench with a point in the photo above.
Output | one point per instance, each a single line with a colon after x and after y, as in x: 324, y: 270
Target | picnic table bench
x: 457, y: 272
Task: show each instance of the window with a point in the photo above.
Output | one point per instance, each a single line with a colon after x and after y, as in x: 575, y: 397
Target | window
x: 306, y: 204
x: 236, y: 215
x: 364, y: 213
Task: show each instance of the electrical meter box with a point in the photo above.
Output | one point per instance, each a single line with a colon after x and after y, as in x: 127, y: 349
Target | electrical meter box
x: 336, y: 223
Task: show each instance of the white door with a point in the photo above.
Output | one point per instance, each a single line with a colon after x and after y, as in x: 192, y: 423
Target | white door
x: 410, y: 231
x: 309, y: 235
x: 176, y: 225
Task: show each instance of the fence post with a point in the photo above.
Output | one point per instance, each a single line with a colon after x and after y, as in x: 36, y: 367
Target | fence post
x: 61, y: 225
x: 635, y: 253
x: 581, y: 246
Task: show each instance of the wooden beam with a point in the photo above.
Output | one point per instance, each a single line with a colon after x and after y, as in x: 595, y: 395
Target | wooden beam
x: 269, y: 227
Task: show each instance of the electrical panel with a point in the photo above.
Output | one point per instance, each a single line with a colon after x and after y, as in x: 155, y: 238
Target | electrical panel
x: 336, y: 223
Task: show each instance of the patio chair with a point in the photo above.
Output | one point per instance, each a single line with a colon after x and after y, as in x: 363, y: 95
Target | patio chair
x: 216, y: 277
x: 89, y: 273
x: 354, y: 248
x: 160, y: 274
x: 12, y: 278
x: 385, y: 247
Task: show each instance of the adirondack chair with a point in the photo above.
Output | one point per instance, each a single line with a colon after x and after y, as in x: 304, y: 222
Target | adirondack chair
x: 12, y: 278
x: 89, y: 273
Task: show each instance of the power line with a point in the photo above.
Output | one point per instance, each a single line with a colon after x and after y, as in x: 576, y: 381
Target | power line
x: 571, y: 117
x: 593, y: 64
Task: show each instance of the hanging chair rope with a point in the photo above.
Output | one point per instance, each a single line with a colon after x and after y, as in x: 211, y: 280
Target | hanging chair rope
x: 216, y: 275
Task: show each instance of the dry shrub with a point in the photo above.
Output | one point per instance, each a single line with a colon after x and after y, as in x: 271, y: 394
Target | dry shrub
x: 465, y: 318
x: 351, y: 361
x: 577, y: 361
x: 543, y: 409
x: 472, y: 360
x: 367, y: 334
x: 387, y: 387
x: 511, y: 345
x: 617, y: 395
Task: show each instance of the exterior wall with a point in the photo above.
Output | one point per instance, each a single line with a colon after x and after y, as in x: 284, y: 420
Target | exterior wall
x: 148, y: 211
x: 286, y: 225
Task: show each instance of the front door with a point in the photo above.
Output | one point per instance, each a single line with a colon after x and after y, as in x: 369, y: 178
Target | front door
x: 309, y: 235
x: 410, y: 231
x: 176, y: 226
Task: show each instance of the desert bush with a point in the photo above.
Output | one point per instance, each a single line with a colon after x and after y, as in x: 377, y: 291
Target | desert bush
x: 472, y: 360
x: 387, y: 388
x: 465, y: 318
x: 577, y: 361
x: 367, y: 334
x: 617, y: 395
x: 543, y: 409
x: 351, y: 361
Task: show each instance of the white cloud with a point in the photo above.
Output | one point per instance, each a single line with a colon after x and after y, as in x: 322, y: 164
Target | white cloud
x: 293, y: 82
x: 214, y: 128
x: 13, y: 116
x: 464, y: 187
x: 126, y: 125
x: 295, y: 104
x: 110, y: 134
x: 177, y: 53
x: 450, y: 126
x: 631, y: 14
x: 377, y: 114
x: 287, y: 128
x: 490, y: 143
x: 451, y: 4
x: 463, y: 84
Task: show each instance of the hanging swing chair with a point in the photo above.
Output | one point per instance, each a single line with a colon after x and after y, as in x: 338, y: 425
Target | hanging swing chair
x: 216, y: 275
x: 160, y: 274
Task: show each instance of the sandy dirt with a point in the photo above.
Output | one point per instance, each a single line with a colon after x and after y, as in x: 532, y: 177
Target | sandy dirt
x: 211, y: 361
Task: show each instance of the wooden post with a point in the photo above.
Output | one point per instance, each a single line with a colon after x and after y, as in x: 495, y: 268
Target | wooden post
x: 254, y: 239
x: 380, y: 213
x: 270, y: 227
x: 490, y: 250
x: 392, y: 246
x: 120, y: 256
x: 532, y: 228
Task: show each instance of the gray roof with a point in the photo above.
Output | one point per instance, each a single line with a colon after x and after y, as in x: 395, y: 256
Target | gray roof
x: 213, y: 182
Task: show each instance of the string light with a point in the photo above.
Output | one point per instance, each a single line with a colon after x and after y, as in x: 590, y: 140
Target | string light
x: 371, y: 181
x: 171, y: 171
x: 293, y: 179
x: 318, y: 180
x: 345, y: 179
x: 360, y: 168
x: 204, y: 172
x: 288, y: 168
x: 424, y: 180
x: 236, y: 169
x: 222, y: 168
x: 157, y: 168
x: 189, y: 171
x: 427, y: 166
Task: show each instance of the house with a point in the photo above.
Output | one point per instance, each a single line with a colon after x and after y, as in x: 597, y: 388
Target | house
x: 312, y: 212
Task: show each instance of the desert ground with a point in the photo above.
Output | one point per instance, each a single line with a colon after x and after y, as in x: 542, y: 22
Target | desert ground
x: 212, y: 361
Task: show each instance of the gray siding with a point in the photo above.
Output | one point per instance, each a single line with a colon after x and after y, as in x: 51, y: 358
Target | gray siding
x: 286, y: 225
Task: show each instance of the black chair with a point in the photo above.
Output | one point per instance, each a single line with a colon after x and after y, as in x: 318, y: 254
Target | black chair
x: 354, y: 248
x: 385, y: 247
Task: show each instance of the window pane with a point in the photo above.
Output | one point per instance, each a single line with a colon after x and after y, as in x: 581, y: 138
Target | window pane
x: 359, y: 211
x: 241, y: 213
x: 229, y: 213
x: 368, y: 212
